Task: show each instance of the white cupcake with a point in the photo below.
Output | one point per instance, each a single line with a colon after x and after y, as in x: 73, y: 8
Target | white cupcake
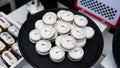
x: 43, y: 46
x: 89, y: 32
x: 81, y: 43
x: 14, y: 31
x: 60, y: 13
x: 39, y: 24
x: 49, y: 18
x: 78, y: 33
x: 63, y: 27
x: 56, y: 54
x: 7, y: 38
x: 47, y: 32
x: 68, y: 43
x: 9, y: 58
x: 34, y: 35
x: 80, y: 21
x: 76, y: 54
x: 4, y: 23
x: 68, y: 16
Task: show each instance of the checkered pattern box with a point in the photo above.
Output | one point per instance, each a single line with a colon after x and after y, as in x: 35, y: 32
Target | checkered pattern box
x: 105, y: 10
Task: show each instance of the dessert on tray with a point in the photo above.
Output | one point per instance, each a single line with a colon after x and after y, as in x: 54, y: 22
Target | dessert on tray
x: 68, y: 31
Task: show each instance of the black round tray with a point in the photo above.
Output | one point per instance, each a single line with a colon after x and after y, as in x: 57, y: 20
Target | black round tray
x: 116, y: 46
x: 93, y: 47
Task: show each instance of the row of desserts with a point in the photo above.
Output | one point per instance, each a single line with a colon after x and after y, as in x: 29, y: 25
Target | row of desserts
x: 9, y: 51
x: 68, y: 31
x: 62, y: 27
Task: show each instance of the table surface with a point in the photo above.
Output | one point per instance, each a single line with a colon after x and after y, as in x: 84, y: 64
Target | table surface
x: 108, y: 61
x: 20, y: 15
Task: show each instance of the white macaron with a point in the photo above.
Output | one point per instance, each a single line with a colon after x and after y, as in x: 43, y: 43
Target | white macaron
x: 89, y: 32
x: 81, y: 43
x: 49, y: 18
x: 39, y: 24
x: 63, y: 27
x: 58, y: 40
x: 80, y: 21
x: 55, y: 35
x: 43, y: 46
x: 34, y: 35
x: 47, y: 32
x: 56, y: 54
x: 78, y: 33
x: 76, y: 54
x: 60, y: 13
x: 68, y: 16
x: 68, y: 43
